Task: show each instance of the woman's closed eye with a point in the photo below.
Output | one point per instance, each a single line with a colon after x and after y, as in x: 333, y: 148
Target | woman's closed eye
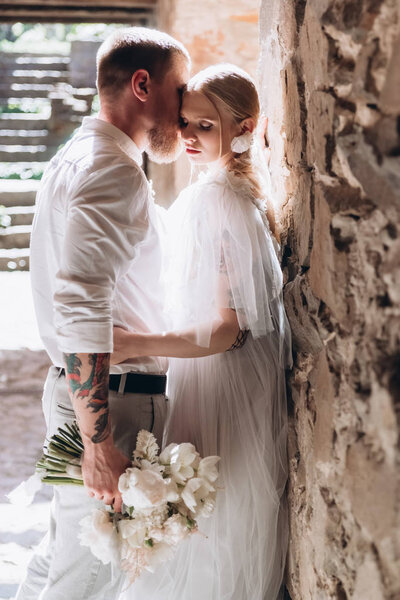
x: 204, y: 125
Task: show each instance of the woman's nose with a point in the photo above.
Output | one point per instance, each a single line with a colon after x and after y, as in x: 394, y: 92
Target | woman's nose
x: 188, y: 134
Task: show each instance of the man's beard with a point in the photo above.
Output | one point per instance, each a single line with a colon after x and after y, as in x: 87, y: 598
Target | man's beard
x: 164, y: 143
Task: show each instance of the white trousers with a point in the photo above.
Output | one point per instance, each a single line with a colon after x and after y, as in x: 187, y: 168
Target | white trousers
x: 62, y: 569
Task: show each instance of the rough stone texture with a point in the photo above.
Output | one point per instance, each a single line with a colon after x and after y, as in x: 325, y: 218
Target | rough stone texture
x: 330, y: 75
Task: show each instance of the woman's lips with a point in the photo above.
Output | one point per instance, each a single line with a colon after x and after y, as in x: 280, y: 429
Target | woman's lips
x: 192, y: 150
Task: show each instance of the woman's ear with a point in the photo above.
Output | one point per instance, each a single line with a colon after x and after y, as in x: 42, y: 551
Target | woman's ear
x: 140, y: 84
x: 247, y: 125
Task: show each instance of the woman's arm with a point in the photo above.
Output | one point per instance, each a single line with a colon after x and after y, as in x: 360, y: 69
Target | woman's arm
x: 179, y: 344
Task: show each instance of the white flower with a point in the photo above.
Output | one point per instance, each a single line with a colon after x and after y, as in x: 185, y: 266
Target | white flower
x: 175, y: 529
x: 172, y: 492
x: 207, y: 506
x: 142, y: 489
x: 195, y: 493
x: 159, y: 553
x: 146, y: 446
x: 133, y: 531
x: 182, y: 460
x: 99, y: 534
x: 208, y: 469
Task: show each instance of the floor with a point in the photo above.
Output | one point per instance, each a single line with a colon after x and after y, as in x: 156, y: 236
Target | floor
x: 23, y: 367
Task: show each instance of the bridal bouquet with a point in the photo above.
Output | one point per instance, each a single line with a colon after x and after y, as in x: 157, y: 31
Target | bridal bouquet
x: 163, y: 495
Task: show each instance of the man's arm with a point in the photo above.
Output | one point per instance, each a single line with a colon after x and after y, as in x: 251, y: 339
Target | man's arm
x: 87, y: 377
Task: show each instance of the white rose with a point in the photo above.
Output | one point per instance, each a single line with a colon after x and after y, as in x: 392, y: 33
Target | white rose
x: 99, y: 534
x: 142, y: 489
x: 182, y: 460
x: 195, y: 493
x: 208, y: 468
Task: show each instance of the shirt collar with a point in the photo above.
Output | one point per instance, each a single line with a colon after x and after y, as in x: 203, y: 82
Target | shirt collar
x: 124, y: 141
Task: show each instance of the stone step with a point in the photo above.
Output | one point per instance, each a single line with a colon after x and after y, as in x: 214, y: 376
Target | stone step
x: 18, y: 153
x: 34, y: 76
x: 23, y: 120
x: 17, y: 236
x: 24, y: 136
x: 33, y: 55
x: 56, y: 63
x: 25, y: 90
x: 14, y: 260
x: 41, y: 90
x: 17, y: 192
x: 21, y: 215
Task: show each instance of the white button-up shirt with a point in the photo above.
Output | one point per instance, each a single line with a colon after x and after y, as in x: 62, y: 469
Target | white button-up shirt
x: 95, y: 250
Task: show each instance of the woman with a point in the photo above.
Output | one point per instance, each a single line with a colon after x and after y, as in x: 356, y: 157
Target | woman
x: 230, y: 344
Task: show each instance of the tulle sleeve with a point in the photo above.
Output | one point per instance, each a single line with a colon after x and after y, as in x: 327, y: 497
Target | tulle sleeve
x: 221, y: 256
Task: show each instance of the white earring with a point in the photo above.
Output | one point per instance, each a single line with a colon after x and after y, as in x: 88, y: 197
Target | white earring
x: 241, y: 143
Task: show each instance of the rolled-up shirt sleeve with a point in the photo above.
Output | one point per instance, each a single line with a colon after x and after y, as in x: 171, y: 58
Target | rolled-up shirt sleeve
x: 107, y: 218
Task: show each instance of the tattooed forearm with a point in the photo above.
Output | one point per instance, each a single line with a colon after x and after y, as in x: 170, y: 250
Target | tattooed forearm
x: 102, y: 428
x: 87, y: 377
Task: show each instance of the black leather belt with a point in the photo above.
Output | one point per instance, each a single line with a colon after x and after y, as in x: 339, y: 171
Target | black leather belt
x: 138, y: 383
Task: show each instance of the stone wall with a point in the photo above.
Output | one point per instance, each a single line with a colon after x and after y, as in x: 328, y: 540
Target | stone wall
x: 330, y: 73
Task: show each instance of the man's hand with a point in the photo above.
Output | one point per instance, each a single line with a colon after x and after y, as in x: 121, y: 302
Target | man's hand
x: 88, y: 377
x: 102, y: 466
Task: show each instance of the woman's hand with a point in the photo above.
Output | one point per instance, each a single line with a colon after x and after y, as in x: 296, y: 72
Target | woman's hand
x: 123, y: 342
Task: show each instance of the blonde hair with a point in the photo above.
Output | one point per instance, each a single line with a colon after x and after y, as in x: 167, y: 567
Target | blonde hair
x: 236, y: 90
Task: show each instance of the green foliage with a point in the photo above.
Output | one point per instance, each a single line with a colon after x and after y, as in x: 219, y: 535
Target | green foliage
x: 95, y: 105
x: 20, y: 171
x: 20, y: 107
x: 51, y: 37
x: 5, y: 219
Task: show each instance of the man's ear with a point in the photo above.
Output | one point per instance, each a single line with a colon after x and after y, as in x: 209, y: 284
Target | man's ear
x: 140, y: 84
x: 247, y: 125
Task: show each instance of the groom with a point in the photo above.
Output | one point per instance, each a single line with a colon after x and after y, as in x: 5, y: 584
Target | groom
x: 95, y: 264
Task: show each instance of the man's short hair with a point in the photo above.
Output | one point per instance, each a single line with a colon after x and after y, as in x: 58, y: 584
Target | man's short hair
x: 127, y: 50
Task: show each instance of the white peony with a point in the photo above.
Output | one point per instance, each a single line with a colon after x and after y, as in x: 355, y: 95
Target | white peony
x: 182, y: 459
x: 195, y: 493
x: 142, y: 489
x: 159, y: 553
x: 99, y: 534
x: 175, y: 529
x: 208, y: 468
x: 133, y: 531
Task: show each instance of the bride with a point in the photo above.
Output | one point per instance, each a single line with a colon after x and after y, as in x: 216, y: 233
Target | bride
x: 229, y: 345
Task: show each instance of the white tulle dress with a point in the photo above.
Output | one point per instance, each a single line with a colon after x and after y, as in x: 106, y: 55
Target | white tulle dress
x: 231, y: 404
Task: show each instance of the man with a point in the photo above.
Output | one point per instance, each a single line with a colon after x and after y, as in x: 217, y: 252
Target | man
x: 95, y: 264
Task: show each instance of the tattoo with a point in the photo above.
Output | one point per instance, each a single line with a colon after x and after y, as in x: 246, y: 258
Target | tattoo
x: 102, y: 428
x: 73, y: 371
x: 240, y: 340
x: 99, y: 381
x: 94, y: 390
